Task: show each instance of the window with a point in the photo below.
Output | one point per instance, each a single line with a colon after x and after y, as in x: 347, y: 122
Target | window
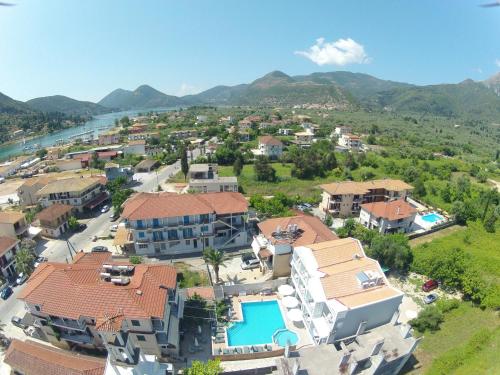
x: 141, y: 234
x: 186, y: 220
x: 143, y: 246
x: 187, y: 232
x: 172, y: 234
x: 136, y: 323
x: 141, y: 338
x: 156, y: 223
x: 204, y: 228
x: 140, y: 224
x: 37, y: 308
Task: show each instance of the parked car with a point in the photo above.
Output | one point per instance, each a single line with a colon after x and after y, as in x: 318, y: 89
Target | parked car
x: 40, y: 260
x: 99, y: 249
x: 247, y: 256
x: 104, y: 209
x: 21, y: 278
x: 81, y: 227
x: 250, y: 263
x: 113, y: 228
x: 114, y: 216
x: 18, y: 322
x: 6, y: 292
x: 430, y: 285
x: 430, y: 298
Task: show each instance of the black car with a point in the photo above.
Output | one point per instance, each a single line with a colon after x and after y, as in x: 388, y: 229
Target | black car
x: 18, y: 322
x: 99, y: 249
x: 6, y: 292
x: 81, y: 227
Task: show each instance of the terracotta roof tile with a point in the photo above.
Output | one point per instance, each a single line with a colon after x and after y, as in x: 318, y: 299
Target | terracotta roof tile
x: 352, y: 187
x: 310, y: 229
x: 270, y: 140
x: 204, y: 292
x: 72, y: 184
x: 54, y: 211
x: 32, y: 358
x: 10, y: 217
x: 160, y: 205
x: 82, y: 292
x: 393, y: 210
x: 6, y: 243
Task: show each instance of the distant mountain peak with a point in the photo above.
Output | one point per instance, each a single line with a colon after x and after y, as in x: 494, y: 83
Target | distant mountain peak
x: 273, y: 78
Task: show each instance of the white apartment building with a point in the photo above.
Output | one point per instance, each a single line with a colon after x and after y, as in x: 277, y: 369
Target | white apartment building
x: 166, y: 223
x: 81, y: 193
x: 343, y: 293
x: 204, y: 178
x: 350, y: 141
x: 269, y: 146
x: 8, y: 248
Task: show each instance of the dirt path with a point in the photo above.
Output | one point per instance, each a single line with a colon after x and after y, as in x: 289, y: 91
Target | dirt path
x: 496, y: 183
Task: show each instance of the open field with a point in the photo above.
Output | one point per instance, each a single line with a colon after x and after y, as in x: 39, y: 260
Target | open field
x: 458, y: 328
x: 432, y: 236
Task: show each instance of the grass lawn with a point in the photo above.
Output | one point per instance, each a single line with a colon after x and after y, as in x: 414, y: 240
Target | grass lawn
x: 458, y: 328
x: 285, y: 184
x: 441, y: 233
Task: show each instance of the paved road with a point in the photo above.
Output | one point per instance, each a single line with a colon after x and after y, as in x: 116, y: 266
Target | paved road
x: 58, y: 251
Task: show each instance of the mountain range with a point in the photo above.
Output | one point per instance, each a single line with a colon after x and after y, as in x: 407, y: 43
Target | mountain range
x: 342, y: 90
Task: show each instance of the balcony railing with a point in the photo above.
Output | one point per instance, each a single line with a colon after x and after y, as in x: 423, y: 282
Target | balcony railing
x: 77, y: 338
x: 71, y: 324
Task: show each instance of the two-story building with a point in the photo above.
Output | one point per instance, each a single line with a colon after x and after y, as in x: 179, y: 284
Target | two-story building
x: 396, y: 216
x: 305, y: 138
x: 111, y: 137
x: 8, y: 248
x: 54, y: 219
x: 269, y: 146
x: 167, y: 223
x: 350, y: 141
x: 114, y: 171
x: 27, y: 191
x: 98, y: 303
x: 137, y: 147
x: 204, y: 178
x: 343, y: 293
x: 13, y: 224
x: 345, y: 198
x: 83, y: 193
x: 278, y: 237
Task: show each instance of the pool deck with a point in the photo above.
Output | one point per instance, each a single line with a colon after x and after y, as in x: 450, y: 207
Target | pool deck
x: 276, y: 350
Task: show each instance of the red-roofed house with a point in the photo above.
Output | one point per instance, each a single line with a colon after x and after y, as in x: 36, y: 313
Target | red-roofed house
x: 269, y: 146
x: 395, y: 216
x: 278, y: 237
x: 96, y: 302
x: 166, y: 223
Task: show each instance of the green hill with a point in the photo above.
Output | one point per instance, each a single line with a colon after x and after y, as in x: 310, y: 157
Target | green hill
x: 141, y: 98
x: 11, y: 106
x: 63, y: 104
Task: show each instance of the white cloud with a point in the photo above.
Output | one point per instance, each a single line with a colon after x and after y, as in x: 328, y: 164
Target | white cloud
x: 340, y: 52
x: 497, y: 62
x: 187, y: 89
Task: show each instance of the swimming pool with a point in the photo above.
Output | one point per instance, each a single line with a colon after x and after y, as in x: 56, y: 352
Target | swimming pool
x: 432, y: 218
x: 283, y: 337
x: 260, y: 321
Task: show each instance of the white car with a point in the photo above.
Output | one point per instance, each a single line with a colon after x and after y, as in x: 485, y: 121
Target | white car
x: 250, y: 263
x: 104, y: 209
x: 113, y: 228
x: 21, y: 278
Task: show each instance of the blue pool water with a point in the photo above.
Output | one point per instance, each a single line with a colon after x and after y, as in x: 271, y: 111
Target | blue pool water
x: 283, y: 337
x: 432, y: 218
x: 260, y: 321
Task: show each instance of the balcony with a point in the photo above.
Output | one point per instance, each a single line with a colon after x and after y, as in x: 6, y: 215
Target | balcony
x: 77, y: 338
x: 68, y: 324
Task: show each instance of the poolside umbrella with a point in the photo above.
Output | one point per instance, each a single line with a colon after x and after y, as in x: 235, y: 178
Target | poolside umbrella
x: 286, y: 290
x: 295, y: 315
x: 290, y: 302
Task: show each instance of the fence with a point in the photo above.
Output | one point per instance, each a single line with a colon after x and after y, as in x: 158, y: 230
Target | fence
x: 222, y: 291
x: 253, y: 371
x: 432, y: 230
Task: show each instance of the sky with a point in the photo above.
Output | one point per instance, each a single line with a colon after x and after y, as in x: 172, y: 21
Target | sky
x: 84, y: 49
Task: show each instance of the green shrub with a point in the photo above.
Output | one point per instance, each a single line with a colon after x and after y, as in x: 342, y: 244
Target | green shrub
x: 135, y: 259
x: 428, y: 319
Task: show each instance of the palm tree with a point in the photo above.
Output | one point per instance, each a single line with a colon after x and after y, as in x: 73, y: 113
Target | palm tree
x: 24, y: 261
x: 215, y: 258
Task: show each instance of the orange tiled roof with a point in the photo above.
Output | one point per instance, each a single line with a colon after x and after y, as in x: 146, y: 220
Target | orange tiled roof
x: 10, y: 217
x: 32, y: 358
x: 340, y: 261
x: 352, y: 187
x: 160, y: 205
x: 6, y: 243
x: 393, y: 210
x: 82, y: 292
x: 54, y: 211
x: 311, y: 229
x: 270, y: 140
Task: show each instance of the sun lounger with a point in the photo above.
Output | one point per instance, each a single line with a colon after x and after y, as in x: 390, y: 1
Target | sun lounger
x: 260, y: 349
x: 239, y: 350
x: 268, y: 348
x: 242, y: 293
x: 226, y: 351
x: 246, y: 350
x: 266, y: 292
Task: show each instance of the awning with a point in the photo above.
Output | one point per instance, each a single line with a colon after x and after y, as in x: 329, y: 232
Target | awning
x: 295, y: 315
x: 290, y: 302
x: 122, y: 237
x: 97, y: 201
x: 286, y: 290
